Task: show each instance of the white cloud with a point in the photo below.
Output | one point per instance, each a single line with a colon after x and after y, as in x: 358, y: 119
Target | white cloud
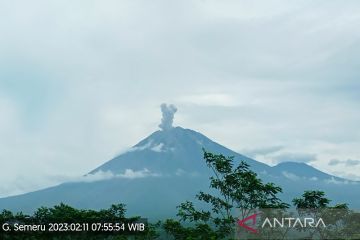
x: 107, y: 175
x: 264, y: 151
x: 158, y: 148
x: 97, y: 176
x: 210, y: 100
x: 149, y: 145
x: 346, y: 175
x: 291, y: 176
x: 295, y: 177
x: 9, y: 118
x: 332, y: 180
x: 24, y: 184
x: 348, y: 162
x: 294, y: 157
x: 244, y: 73
x: 129, y: 173
x: 141, y: 147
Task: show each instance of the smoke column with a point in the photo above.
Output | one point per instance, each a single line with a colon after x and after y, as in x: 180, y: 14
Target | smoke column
x: 168, y: 112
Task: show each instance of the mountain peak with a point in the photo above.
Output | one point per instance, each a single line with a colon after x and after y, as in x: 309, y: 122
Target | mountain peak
x: 167, y: 167
x: 169, y: 151
x: 171, y: 139
x: 301, y: 169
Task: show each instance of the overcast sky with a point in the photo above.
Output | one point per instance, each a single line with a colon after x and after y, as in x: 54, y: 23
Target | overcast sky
x: 81, y: 81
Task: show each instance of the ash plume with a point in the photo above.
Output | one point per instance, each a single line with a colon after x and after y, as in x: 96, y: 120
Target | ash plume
x: 168, y: 112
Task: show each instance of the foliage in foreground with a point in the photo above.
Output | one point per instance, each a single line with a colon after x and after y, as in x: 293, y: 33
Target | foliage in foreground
x: 239, y: 191
x: 235, y: 191
x: 63, y: 213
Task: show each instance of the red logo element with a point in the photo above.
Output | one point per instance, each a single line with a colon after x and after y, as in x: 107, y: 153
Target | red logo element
x: 253, y: 218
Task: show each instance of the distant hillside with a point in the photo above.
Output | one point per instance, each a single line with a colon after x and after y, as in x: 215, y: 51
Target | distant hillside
x: 167, y: 168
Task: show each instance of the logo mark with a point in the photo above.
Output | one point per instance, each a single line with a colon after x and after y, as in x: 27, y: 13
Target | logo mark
x: 242, y: 223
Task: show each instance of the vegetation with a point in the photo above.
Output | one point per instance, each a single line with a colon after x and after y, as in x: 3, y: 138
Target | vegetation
x: 235, y: 193
x: 340, y: 221
x: 65, y: 222
x: 238, y: 192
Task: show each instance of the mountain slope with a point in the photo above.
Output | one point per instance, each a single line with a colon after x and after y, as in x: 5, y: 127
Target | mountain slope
x: 167, y: 168
x: 301, y: 170
x: 171, y: 151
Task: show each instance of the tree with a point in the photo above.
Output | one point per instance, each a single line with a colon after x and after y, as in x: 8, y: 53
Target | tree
x: 72, y: 219
x: 311, y: 200
x: 238, y: 189
x: 315, y: 204
x: 6, y: 215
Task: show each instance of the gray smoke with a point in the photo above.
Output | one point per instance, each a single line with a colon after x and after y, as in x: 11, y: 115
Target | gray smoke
x: 168, y: 112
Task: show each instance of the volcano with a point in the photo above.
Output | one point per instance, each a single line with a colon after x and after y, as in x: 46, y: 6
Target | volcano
x: 167, y: 168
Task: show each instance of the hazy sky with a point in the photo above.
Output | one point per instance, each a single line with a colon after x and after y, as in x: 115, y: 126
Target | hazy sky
x: 81, y: 81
